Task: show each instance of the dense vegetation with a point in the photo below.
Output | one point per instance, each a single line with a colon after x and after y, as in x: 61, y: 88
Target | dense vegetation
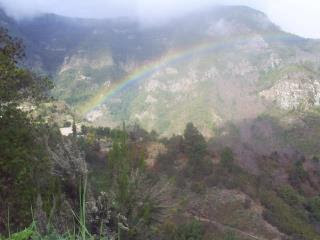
x: 128, y: 183
x: 23, y: 160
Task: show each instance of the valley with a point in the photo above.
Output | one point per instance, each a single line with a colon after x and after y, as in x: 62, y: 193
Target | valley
x: 205, y: 128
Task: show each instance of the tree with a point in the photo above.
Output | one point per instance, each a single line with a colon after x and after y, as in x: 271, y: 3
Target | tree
x: 74, y: 129
x: 195, y: 147
x: 139, y: 201
x: 16, y: 83
x: 298, y: 174
x: 314, y: 206
x: 23, y: 160
x: 227, y: 159
x: 84, y: 130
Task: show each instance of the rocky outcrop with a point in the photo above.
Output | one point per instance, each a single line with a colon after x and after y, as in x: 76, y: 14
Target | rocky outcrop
x: 294, y: 92
x: 203, y: 67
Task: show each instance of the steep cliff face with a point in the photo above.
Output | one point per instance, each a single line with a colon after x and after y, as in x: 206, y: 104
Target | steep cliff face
x: 295, y: 89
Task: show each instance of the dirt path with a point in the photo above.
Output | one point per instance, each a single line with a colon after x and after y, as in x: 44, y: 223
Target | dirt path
x: 225, y: 227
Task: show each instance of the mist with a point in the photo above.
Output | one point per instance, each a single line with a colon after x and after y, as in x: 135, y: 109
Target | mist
x: 296, y: 16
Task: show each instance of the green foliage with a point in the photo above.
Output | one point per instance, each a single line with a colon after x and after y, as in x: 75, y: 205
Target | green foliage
x: 195, y: 147
x: 314, y: 206
x: 67, y: 124
x: 227, y: 158
x: 198, y: 187
x: 286, y: 218
x: 17, y: 84
x: 166, y: 160
x: 133, y: 200
x: 74, y: 129
x: 230, y: 236
x: 270, y: 77
x: 291, y: 196
x: 194, y: 143
x: 190, y: 231
x: 97, y: 133
x: 24, y: 164
x: 298, y: 174
x: 23, y: 235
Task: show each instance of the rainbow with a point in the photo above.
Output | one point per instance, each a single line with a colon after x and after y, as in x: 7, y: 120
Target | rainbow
x: 171, y: 58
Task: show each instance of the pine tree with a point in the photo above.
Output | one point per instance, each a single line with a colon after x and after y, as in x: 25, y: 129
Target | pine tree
x: 195, y: 145
x: 74, y: 129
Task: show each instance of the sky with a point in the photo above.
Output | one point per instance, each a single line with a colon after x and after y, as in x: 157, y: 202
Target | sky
x: 301, y: 17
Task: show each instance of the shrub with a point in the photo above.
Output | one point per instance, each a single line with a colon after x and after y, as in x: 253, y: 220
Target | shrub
x: 195, y: 145
x: 290, y: 196
x: 314, y: 206
x: 230, y: 236
x: 67, y: 124
x: 227, y: 158
x: 286, y: 218
x: 213, y: 180
x: 24, y: 167
x: 23, y: 235
x: 198, y: 187
x: 298, y: 174
x: 190, y: 231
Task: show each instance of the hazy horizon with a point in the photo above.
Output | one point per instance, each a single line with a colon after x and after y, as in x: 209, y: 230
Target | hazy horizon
x: 296, y: 16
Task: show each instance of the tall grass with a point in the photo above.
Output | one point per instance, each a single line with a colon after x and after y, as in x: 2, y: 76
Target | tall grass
x: 82, y: 234
x: 8, y: 223
x: 81, y: 218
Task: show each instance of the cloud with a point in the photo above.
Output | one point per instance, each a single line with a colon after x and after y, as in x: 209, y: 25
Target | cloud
x: 297, y: 16
x: 72, y: 8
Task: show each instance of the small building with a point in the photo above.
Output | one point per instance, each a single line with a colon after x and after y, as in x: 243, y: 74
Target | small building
x: 66, y: 131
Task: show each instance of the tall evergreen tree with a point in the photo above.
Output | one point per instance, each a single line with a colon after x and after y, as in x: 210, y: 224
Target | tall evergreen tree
x: 195, y: 145
x: 22, y: 159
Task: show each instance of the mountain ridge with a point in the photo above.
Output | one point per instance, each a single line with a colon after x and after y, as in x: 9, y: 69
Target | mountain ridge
x: 244, y: 49
x: 235, y: 105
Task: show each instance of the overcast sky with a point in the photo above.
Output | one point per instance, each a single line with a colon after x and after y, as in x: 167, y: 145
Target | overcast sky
x: 301, y: 17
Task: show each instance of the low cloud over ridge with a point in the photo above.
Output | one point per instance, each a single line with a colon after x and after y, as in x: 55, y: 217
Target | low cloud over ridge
x: 297, y: 16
